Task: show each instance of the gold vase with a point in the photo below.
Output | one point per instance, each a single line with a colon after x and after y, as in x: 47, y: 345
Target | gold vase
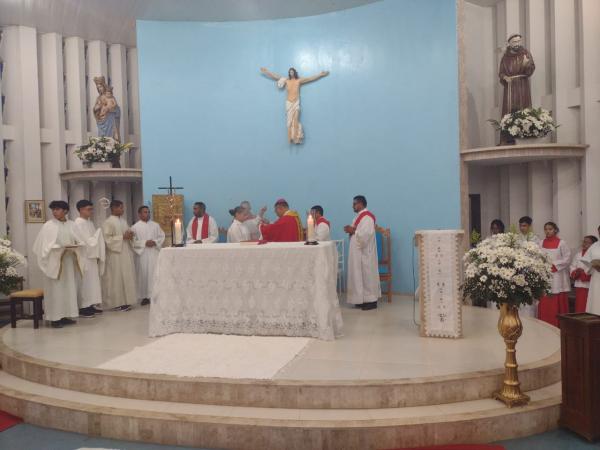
x: 510, y: 328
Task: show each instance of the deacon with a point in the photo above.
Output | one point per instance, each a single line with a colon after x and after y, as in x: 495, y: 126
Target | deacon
x: 322, y: 228
x: 149, y: 238
x: 93, y: 258
x: 202, y: 228
x: 119, y: 276
x: 57, y: 252
x: 363, y: 288
x: 287, y: 228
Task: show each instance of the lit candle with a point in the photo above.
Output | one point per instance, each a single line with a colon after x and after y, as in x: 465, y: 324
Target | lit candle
x: 178, y: 232
x: 310, y: 228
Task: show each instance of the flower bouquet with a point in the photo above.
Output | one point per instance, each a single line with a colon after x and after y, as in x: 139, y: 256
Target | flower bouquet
x: 526, y: 123
x: 102, y: 150
x: 10, y: 279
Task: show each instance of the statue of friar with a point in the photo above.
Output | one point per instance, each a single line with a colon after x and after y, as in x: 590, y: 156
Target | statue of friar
x: 107, y: 111
x: 516, y: 67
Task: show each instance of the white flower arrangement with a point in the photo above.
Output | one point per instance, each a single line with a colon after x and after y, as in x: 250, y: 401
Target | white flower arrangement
x: 101, y: 149
x: 506, y: 269
x: 527, y: 123
x: 10, y: 280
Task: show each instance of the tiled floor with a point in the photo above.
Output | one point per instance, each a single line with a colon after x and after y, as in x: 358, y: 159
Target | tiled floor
x: 28, y: 437
x: 379, y: 344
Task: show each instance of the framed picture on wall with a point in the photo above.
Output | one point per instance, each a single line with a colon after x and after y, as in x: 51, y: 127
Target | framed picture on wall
x: 35, y: 211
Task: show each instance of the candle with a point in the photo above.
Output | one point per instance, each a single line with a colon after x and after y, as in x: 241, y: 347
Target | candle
x: 178, y: 232
x: 310, y: 229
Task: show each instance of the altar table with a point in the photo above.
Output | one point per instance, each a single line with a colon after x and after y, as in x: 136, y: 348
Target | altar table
x: 275, y: 289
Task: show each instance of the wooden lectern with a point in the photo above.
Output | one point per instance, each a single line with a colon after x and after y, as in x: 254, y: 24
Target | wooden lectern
x: 580, y: 360
x: 440, y: 276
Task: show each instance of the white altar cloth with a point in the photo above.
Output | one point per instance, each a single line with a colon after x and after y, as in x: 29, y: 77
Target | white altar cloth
x: 276, y: 289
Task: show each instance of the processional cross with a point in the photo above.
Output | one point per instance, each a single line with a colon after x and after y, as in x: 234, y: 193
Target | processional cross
x: 171, y: 199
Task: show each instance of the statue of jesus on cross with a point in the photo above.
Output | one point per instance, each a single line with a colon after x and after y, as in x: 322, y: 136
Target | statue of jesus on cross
x: 292, y: 104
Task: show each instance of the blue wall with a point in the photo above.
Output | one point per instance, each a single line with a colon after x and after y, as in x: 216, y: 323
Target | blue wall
x: 384, y: 123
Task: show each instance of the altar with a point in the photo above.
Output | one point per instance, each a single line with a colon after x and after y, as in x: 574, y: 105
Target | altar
x: 276, y: 289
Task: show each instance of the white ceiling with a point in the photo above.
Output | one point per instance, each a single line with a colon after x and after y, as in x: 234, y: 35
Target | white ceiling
x: 114, y: 20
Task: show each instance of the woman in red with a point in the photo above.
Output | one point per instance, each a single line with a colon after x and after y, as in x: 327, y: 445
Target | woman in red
x: 580, y: 274
x: 556, y: 301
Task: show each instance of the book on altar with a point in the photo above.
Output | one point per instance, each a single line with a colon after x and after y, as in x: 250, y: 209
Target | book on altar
x: 249, y: 242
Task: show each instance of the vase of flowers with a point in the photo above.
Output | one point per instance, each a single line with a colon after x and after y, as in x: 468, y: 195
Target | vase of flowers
x: 510, y: 272
x: 102, y: 152
x: 10, y: 260
x: 527, y: 126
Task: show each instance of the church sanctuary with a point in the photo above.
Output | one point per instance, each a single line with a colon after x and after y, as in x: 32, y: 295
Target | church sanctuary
x: 300, y: 225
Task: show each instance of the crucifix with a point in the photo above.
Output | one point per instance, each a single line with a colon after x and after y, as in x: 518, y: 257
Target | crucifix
x: 176, y: 227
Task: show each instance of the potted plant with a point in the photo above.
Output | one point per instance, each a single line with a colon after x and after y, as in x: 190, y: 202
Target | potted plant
x: 102, y: 152
x: 510, y: 272
x: 10, y: 279
x: 527, y: 126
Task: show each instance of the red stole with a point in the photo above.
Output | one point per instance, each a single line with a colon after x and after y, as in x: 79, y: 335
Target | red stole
x: 204, y: 231
x: 321, y: 220
x: 362, y: 215
x: 551, y: 243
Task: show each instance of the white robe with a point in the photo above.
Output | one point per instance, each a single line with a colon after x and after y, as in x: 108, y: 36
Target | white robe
x: 146, y: 257
x: 252, y: 225
x: 530, y: 237
x: 322, y: 232
x: 237, y: 232
x: 213, y: 231
x: 577, y: 263
x: 561, y: 258
x: 593, y: 301
x: 61, y: 268
x: 119, y: 285
x: 363, y: 267
x: 93, y: 259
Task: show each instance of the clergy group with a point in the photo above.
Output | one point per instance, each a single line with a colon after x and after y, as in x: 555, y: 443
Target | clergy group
x: 88, y: 270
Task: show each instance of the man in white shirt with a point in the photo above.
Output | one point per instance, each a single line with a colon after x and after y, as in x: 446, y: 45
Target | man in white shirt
x: 93, y: 259
x: 526, y: 230
x: 322, y: 226
x: 149, y: 238
x: 57, y: 248
x: 364, y: 288
x: 202, y: 228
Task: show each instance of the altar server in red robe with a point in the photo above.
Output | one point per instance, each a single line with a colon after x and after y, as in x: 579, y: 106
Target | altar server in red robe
x: 557, y: 300
x: 202, y: 228
x: 287, y: 228
x: 581, y: 274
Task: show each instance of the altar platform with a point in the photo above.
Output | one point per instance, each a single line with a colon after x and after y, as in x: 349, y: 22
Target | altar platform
x: 380, y: 385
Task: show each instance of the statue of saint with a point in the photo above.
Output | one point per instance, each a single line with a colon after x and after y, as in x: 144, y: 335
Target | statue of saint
x: 107, y: 111
x: 292, y: 104
x: 516, y: 67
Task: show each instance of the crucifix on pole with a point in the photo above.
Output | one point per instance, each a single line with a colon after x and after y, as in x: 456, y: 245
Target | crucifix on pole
x: 171, y: 199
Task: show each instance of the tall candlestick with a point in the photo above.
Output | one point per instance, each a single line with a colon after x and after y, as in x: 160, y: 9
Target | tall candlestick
x: 178, y: 232
x: 310, y: 229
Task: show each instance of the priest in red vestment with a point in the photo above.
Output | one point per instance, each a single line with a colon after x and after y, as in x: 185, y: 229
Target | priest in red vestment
x: 287, y: 228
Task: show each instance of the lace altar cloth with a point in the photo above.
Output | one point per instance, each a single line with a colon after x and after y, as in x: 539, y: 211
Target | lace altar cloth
x: 277, y: 289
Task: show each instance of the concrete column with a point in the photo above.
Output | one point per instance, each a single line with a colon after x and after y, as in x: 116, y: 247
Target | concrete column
x: 567, y: 200
x: 100, y: 190
x: 134, y: 107
x: 518, y: 191
x: 118, y: 78
x: 540, y: 194
x: 590, y: 86
x: 3, y: 231
x: 96, y: 66
x: 537, y: 43
x: 504, y: 176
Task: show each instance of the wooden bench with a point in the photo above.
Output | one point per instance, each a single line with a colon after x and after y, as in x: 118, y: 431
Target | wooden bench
x: 28, y: 295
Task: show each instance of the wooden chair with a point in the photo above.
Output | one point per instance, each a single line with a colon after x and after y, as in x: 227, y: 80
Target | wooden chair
x: 384, y: 255
x: 28, y: 295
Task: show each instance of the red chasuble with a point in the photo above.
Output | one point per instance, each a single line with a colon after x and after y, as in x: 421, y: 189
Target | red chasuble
x: 286, y: 229
x: 204, y: 231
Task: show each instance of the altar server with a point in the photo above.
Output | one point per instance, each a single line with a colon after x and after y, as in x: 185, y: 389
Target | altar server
x: 557, y: 300
x: 581, y: 274
x: 237, y: 232
x: 149, y: 238
x: 93, y: 259
x: 202, y: 228
x: 592, y: 260
x: 252, y: 222
x: 526, y: 230
x: 119, y: 276
x: 58, y: 256
x: 364, y: 288
x: 496, y: 227
x: 287, y: 228
x: 322, y: 228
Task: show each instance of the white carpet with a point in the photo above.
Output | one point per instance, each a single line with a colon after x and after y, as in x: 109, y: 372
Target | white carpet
x: 211, y: 355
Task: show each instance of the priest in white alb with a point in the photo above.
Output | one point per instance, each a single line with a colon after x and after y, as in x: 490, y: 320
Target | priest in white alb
x: 93, y: 259
x: 119, y: 276
x: 322, y: 228
x: 203, y: 228
x: 149, y: 238
x: 56, y: 248
x: 363, y: 287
